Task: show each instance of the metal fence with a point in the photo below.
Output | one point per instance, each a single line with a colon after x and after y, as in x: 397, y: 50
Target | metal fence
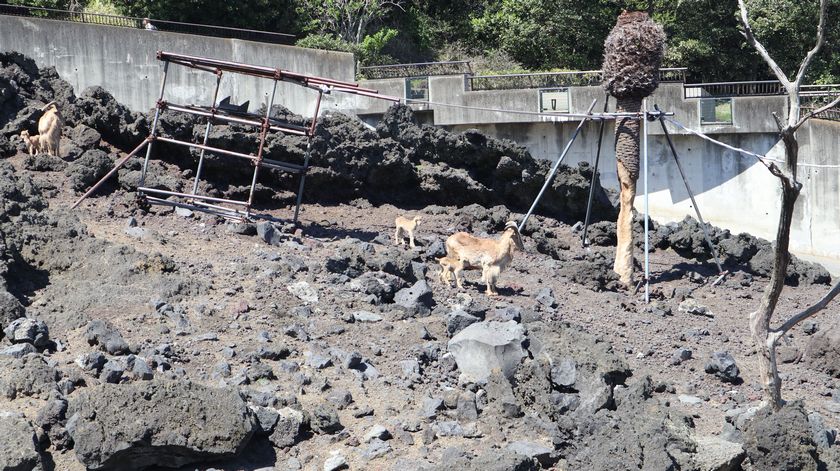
x: 832, y: 114
x: 419, y: 69
x: 161, y: 25
x: 556, y: 79
x: 733, y: 89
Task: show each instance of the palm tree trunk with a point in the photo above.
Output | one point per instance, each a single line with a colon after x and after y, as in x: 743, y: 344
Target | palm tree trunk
x: 627, y: 159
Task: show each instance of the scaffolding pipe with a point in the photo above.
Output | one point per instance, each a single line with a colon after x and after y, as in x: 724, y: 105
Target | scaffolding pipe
x: 187, y: 195
x: 206, y: 133
x: 208, y: 148
x: 288, y: 129
x: 263, y: 134
x: 306, y: 158
x: 195, y: 207
x: 154, y: 124
x: 556, y: 166
x: 108, y: 175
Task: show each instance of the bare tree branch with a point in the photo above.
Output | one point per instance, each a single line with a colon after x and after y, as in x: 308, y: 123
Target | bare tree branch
x: 810, y: 115
x: 778, y: 121
x: 810, y: 311
x: 748, y: 33
x: 813, y: 52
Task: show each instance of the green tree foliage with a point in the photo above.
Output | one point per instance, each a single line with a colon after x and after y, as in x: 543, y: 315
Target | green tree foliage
x: 344, y: 25
x: 266, y: 15
x: 787, y: 28
x: 703, y: 35
x: 57, y: 4
x: 546, y: 34
x: 368, y: 52
x: 350, y: 20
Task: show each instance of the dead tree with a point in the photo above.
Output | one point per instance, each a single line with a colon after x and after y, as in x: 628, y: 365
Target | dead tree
x: 765, y: 337
x: 632, y: 55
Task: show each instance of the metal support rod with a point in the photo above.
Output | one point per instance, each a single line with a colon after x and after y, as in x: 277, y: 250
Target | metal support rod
x: 108, y: 175
x: 691, y: 195
x: 263, y: 133
x: 647, y: 202
x: 594, y: 174
x: 209, y: 148
x: 154, y: 124
x: 187, y: 195
x: 306, y: 157
x: 556, y: 166
x: 207, y: 133
x: 221, y: 116
x: 193, y: 207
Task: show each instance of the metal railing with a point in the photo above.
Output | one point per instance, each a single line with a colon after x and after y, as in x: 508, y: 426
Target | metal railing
x: 419, y: 69
x: 161, y: 25
x: 556, y: 79
x: 819, y: 90
x: 831, y: 114
x: 732, y: 89
x: 754, y: 88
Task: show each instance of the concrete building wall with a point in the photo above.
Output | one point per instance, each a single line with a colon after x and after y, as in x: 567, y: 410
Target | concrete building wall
x: 122, y: 60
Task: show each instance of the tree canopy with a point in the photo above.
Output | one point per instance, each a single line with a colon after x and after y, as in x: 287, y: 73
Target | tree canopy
x: 501, y: 35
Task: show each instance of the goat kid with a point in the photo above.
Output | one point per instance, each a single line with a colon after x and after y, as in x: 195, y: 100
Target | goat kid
x: 405, y: 226
x: 33, y: 143
x: 49, y: 127
x: 465, y: 251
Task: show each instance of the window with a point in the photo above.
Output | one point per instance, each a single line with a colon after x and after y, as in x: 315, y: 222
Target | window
x: 556, y: 100
x: 716, y: 111
x: 417, y: 88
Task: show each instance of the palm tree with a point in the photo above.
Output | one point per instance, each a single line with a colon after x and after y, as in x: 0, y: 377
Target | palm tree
x: 632, y: 54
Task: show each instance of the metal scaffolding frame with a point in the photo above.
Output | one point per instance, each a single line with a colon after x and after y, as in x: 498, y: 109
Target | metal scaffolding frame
x: 228, y: 208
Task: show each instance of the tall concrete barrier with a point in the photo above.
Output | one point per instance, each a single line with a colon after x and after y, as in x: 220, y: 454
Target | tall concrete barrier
x: 122, y: 60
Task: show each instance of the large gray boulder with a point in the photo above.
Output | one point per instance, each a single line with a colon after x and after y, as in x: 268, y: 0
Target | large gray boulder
x: 105, y: 335
x: 823, y: 352
x: 18, y: 443
x: 28, y: 375
x: 10, y: 309
x: 717, y: 454
x: 26, y: 330
x: 416, y: 300
x: 157, y: 423
x: 781, y: 439
x: 486, y: 346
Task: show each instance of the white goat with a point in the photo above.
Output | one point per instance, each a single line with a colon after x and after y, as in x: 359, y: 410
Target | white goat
x: 465, y: 251
x: 33, y: 143
x: 405, y: 226
x: 49, y: 126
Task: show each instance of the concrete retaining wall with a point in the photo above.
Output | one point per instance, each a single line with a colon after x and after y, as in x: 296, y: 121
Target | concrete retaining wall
x: 122, y: 60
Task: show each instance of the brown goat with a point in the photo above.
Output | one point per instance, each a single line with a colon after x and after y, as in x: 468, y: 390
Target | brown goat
x: 49, y: 126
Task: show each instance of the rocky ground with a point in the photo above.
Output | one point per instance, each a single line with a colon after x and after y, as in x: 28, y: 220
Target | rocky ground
x: 145, y: 337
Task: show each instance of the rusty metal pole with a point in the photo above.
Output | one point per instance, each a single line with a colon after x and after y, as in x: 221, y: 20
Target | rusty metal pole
x: 263, y: 134
x: 108, y: 175
x: 207, y: 131
x: 306, y: 156
x: 158, y: 106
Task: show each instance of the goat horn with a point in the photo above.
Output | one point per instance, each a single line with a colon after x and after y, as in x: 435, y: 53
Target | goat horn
x: 48, y: 105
